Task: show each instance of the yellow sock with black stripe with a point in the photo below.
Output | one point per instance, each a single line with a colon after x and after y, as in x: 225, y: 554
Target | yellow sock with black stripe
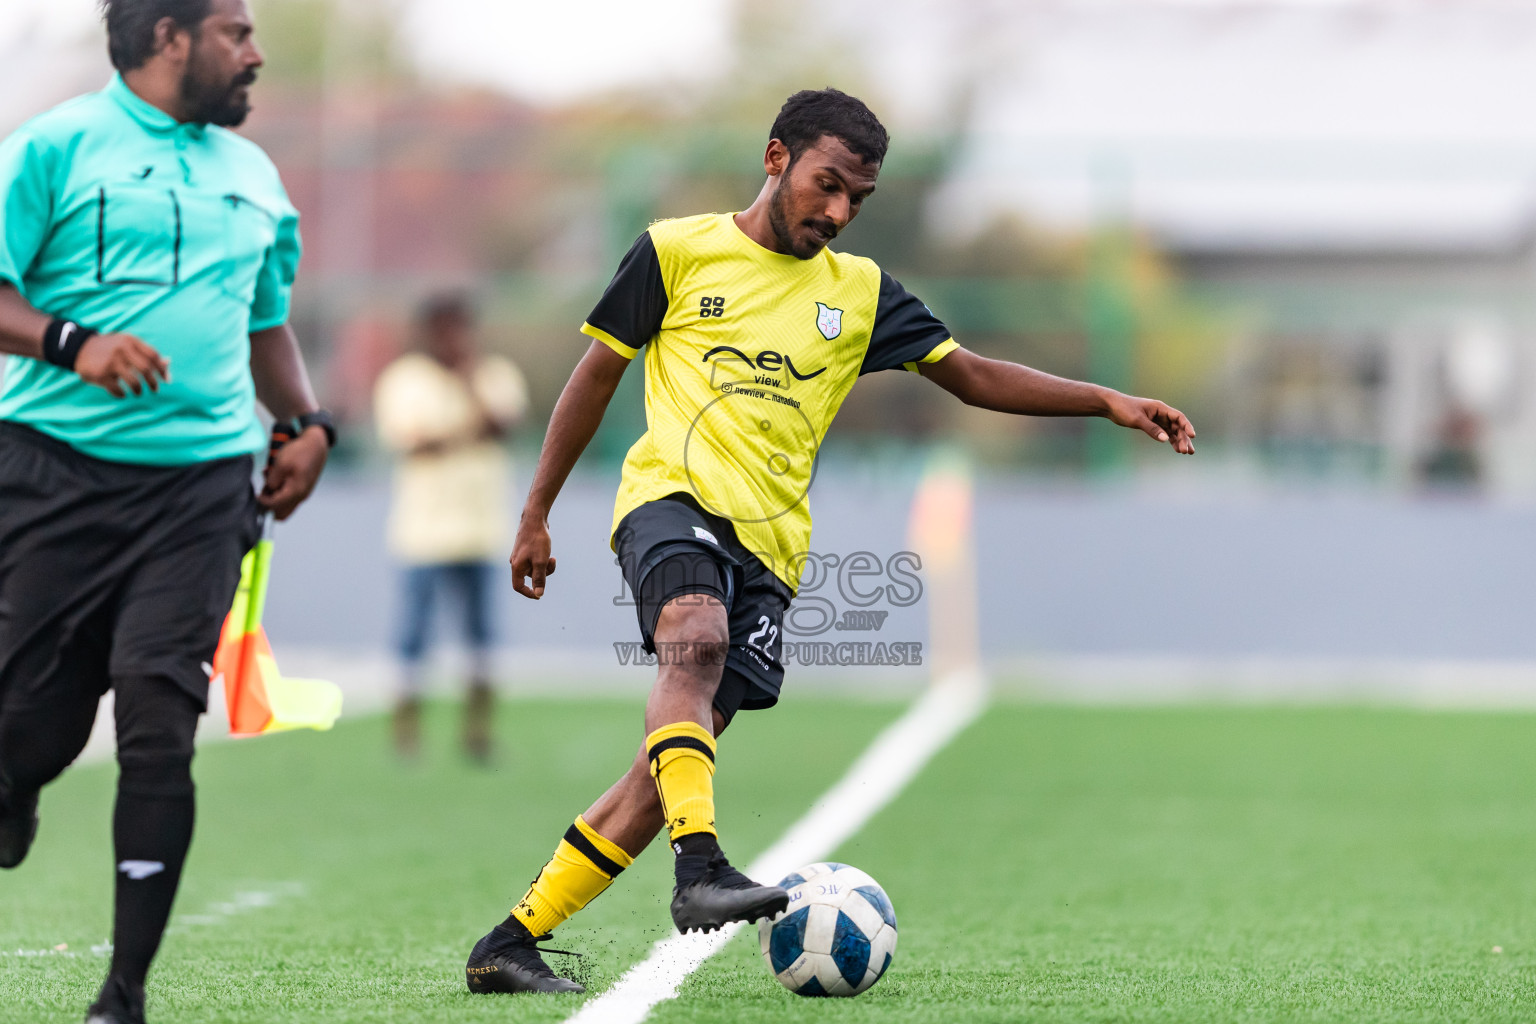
x: 583, y: 866
x: 682, y: 759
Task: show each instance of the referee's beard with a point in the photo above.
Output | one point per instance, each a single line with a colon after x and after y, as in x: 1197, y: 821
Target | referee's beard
x: 211, y: 98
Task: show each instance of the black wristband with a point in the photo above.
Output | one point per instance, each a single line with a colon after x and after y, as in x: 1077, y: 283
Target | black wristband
x: 322, y: 419
x: 62, y: 342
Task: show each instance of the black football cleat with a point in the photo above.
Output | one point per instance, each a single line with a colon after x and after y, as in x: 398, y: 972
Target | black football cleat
x: 721, y: 895
x: 505, y: 961
x: 119, y: 1003
x: 18, y: 827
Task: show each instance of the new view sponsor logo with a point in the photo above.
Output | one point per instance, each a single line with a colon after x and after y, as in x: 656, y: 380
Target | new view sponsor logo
x: 775, y: 366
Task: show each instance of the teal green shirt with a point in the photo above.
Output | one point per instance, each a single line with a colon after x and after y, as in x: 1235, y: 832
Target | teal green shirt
x: 120, y: 218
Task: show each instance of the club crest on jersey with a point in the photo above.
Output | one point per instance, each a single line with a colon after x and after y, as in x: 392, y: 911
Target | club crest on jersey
x: 829, y: 321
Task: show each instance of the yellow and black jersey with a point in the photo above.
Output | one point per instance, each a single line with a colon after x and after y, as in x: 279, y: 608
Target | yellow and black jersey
x: 749, y: 355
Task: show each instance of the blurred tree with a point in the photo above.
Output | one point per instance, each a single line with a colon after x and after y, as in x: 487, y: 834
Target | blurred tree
x: 423, y: 183
x: 310, y: 42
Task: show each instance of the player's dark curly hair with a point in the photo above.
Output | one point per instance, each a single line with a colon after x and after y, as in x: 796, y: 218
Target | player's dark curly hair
x: 131, y: 26
x: 811, y: 113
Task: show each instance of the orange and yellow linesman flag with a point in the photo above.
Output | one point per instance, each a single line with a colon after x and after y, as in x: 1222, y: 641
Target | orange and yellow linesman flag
x: 260, y: 699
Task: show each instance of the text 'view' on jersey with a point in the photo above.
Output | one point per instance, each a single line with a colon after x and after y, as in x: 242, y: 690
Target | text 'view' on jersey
x: 749, y: 355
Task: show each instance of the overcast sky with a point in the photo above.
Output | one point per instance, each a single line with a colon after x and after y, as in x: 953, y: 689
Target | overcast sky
x: 1367, y: 124
x: 546, y: 51
x: 555, y: 50
x: 1282, y: 121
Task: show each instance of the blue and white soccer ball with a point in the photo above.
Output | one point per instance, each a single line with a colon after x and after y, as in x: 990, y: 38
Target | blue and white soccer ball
x: 836, y: 937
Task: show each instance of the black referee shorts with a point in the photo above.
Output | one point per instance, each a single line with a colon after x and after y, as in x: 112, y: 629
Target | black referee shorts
x: 109, y: 571
x: 670, y: 548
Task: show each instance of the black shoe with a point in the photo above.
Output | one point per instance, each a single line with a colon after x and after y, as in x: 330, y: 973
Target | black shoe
x: 18, y: 827
x: 721, y: 895
x: 119, y: 1003
x: 507, y: 960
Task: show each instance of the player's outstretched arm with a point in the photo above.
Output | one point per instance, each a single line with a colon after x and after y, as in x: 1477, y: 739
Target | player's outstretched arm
x: 571, y: 426
x: 1009, y: 387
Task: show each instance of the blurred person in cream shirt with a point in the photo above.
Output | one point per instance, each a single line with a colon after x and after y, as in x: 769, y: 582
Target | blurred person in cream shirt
x: 445, y: 411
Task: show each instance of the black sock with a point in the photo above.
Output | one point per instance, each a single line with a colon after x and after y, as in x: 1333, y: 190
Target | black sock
x: 150, y: 833
x: 694, y: 853
x: 152, y: 823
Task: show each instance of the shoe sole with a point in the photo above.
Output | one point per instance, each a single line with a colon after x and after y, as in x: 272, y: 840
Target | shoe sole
x: 751, y: 914
x: 506, y: 983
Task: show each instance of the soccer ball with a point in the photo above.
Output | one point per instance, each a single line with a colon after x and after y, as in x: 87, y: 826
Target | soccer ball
x: 837, y: 935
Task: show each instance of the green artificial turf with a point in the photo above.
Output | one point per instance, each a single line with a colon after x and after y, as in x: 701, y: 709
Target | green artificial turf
x: 1187, y: 865
x: 330, y: 883
x: 1053, y: 864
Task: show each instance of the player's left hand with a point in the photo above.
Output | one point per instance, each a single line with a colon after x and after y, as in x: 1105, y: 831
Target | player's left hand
x: 292, y: 472
x: 1158, y: 421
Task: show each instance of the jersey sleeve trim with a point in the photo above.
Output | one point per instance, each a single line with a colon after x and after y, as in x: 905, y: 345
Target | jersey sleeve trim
x: 632, y: 308
x: 940, y: 350
x: 905, y: 331
x: 607, y: 339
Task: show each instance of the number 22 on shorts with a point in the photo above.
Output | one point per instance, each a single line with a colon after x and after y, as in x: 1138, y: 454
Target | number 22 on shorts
x: 766, y: 628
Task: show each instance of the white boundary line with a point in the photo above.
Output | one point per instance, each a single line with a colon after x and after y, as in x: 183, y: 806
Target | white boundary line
x: 881, y: 772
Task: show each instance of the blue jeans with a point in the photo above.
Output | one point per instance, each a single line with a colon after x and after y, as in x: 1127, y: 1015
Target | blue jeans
x: 472, y: 583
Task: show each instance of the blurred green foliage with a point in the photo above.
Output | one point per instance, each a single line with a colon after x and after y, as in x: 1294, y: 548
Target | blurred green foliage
x: 305, y: 41
x: 543, y: 202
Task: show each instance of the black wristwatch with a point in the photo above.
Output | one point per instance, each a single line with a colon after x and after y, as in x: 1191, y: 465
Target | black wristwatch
x: 322, y: 419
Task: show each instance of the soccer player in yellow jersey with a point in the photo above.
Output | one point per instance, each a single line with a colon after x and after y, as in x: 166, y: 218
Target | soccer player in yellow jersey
x: 753, y: 333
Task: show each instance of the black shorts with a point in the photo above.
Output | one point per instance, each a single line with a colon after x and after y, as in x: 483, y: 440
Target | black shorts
x: 110, y: 570
x: 670, y: 548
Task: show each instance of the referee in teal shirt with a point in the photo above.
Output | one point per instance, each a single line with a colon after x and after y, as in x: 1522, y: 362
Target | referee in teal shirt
x: 146, y: 260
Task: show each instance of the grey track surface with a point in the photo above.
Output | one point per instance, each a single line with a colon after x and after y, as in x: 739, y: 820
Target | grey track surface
x: 1063, y: 573
x: 1098, y: 596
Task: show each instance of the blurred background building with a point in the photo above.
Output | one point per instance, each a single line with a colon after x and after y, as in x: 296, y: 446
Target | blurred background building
x: 1311, y: 225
